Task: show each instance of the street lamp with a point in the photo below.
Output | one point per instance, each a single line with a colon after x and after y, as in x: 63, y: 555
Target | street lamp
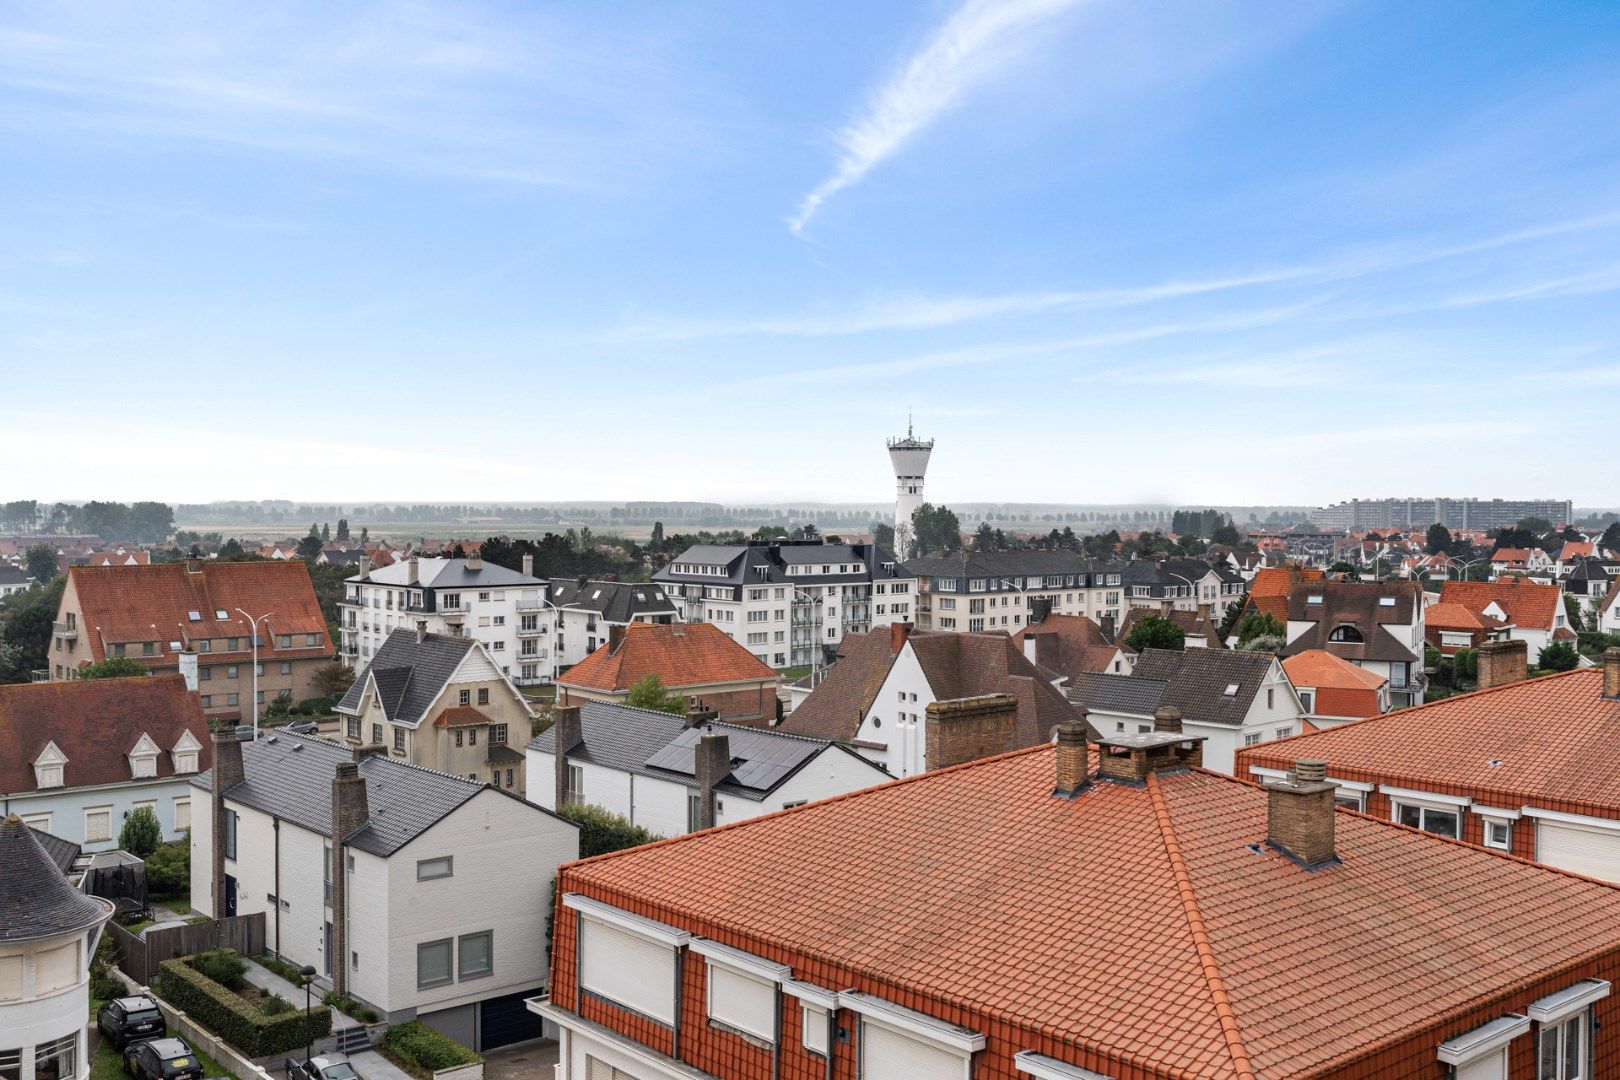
x: 815, y: 636
x: 254, y: 623
x: 307, y: 972
x: 1471, y: 562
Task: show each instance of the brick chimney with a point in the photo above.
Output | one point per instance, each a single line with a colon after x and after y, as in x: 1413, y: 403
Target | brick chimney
x: 227, y: 771
x: 615, y: 639
x: 528, y: 566
x: 1039, y: 608
x: 1503, y: 662
x: 1072, y: 769
x: 712, y: 764
x: 570, y: 736
x: 1167, y: 718
x: 1128, y: 759
x: 1300, y: 815
x: 966, y: 729
x: 899, y: 633
x: 1611, y: 673
x: 349, y: 812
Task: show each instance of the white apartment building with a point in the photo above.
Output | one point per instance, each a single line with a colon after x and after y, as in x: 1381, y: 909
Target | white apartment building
x: 971, y: 592
x: 505, y: 610
x: 787, y: 599
x: 587, y: 611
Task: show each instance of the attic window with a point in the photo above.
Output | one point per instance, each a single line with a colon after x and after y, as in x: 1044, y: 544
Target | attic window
x: 1346, y: 633
x: 174, y: 646
x: 1314, y: 599
x: 1231, y: 689
x: 1386, y: 601
x: 194, y: 616
x: 221, y: 614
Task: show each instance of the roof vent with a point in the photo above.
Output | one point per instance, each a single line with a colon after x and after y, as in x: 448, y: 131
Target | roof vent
x: 297, y: 746
x: 1495, y: 761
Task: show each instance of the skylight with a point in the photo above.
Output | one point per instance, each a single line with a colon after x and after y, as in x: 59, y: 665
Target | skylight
x: 221, y: 614
x: 194, y: 616
x: 1231, y: 689
x: 1314, y: 599
x: 1386, y: 601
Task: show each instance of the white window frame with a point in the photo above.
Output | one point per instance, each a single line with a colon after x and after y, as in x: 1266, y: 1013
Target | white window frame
x: 102, y: 811
x: 1492, y: 1038
x: 918, y: 1025
x: 753, y: 973
x: 817, y: 1007
x: 1044, y: 1068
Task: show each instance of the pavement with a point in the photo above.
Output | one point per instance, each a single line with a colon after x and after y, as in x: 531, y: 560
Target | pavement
x: 267, y: 980
x: 530, y: 1061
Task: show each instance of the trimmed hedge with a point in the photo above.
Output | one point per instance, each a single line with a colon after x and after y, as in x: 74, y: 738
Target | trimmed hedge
x: 235, y: 1019
x: 602, y: 831
x: 421, y: 1050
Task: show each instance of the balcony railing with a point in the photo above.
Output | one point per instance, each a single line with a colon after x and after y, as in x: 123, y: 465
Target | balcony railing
x: 530, y: 631
x: 66, y: 631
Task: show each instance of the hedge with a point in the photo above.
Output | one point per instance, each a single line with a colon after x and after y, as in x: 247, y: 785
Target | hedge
x: 423, y: 1051
x: 602, y: 831
x: 235, y: 1019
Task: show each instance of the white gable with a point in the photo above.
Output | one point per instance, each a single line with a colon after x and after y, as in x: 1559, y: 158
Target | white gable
x: 476, y: 666
x: 1494, y: 610
x: 145, y: 746
x: 186, y: 741
x: 51, y: 755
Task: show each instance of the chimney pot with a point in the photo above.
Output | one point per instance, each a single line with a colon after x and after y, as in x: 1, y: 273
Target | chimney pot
x: 1300, y: 814
x: 1611, y: 673
x: 1167, y: 718
x: 1503, y: 662
x: 1072, y: 767
x: 421, y: 631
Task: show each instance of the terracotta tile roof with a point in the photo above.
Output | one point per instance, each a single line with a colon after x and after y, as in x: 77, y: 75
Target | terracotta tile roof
x: 1511, y: 555
x: 1556, y: 738
x: 1526, y: 602
x: 1070, y: 644
x: 1574, y: 549
x: 95, y: 723
x: 1133, y: 928
x: 1268, y: 592
x: 461, y: 716
x: 154, y: 603
x: 1322, y: 669
x: 1450, y: 615
x: 680, y: 654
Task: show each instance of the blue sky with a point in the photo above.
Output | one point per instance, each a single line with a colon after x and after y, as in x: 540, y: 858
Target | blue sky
x: 1106, y: 251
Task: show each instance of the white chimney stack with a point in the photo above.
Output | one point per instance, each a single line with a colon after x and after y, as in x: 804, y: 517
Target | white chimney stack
x: 188, y: 669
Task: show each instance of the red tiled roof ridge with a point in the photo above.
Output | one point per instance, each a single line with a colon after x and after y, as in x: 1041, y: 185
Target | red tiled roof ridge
x: 1200, y: 937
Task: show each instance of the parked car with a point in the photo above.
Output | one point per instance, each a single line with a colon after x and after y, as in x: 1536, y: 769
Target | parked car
x: 162, y: 1059
x: 129, y: 1019
x: 322, y: 1067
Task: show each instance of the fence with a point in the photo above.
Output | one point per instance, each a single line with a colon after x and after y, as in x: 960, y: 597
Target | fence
x: 139, y: 957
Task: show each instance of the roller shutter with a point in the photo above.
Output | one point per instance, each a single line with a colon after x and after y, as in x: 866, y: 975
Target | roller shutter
x: 1489, y: 1067
x: 890, y: 1054
x: 1580, y: 848
x: 742, y: 1001
x: 628, y: 969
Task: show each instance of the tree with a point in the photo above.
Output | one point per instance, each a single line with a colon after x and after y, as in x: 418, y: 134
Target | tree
x: 984, y: 539
x: 25, y: 630
x: 309, y: 548
x: 41, y: 562
x: 332, y: 680
x: 114, y: 667
x: 365, y: 534
x: 602, y: 831
x: 658, y: 532
x: 935, y: 529
x: 1155, y: 632
x: 326, y: 530
x: 1610, y: 540
x: 649, y: 693
x: 343, y: 529
x: 20, y: 515
x: 149, y: 522
x: 231, y: 549
x: 168, y: 870
x: 1438, y: 540
x: 883, y: 536
x: 1575, y: 612
x: 1559, y: 656
x: 1226, y: 534
x: 141, y: 833
x: 1256, y: 624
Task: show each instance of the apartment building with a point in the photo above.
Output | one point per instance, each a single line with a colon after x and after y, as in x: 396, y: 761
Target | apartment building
x: 1191, y: 585
x: 1033, y: 915
x: 440, y: 702
x: 173, y: 615
x: 789, y: 601
x: 972, y: 592
x: 587, y: 610
x: 1464, y: 513
x: 506, y: 611
x: 418, y: 893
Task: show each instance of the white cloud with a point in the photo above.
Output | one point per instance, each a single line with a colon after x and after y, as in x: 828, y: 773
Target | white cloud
x: 971, y: 46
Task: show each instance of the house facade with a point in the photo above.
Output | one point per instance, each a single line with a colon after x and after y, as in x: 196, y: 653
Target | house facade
x: 1190, y: 585
x: 697, y: 660
x: 1517, y: 607
x: 1374, y: 625
x: 587, y: 610
x: 13, y: 580
x: 1334, y: 691
x: 413, y: 891
x: 975, y: 592
x: 78, y: 758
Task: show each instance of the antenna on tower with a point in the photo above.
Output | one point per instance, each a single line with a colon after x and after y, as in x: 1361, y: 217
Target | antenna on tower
x: 909, y: 435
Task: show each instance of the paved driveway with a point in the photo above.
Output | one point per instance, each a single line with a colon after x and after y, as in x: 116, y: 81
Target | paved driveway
x: 531, y: 1061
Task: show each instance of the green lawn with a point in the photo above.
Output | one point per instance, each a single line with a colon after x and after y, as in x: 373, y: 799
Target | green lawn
x: 793, y: 674
x: 108, y: 1064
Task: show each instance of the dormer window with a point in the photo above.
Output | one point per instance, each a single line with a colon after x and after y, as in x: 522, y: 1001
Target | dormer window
x: 49, y: 767
x: 143, y: 758
x: 184, y: 753
x: 1346, y: 633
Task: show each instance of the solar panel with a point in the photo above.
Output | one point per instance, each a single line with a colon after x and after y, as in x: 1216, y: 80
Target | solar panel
x: 759, y: 760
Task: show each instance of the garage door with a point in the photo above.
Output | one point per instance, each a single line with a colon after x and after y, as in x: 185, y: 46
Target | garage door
x: 506, y: 1020
x: 1585, y: 850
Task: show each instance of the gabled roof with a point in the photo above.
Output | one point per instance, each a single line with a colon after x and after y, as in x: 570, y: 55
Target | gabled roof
x: 448, y: 574
x: 95, y: 723
x: 1574, y: 549
x: 1197, y: 681
x: 614, y: 601
x: 680, y: 654
x: 1020, y: 563
x: 1366, y: 606
x: 1126, y: 694
x: 1527, y: 603
x: 1191, y: 624
x: 408, y: 674
x: 1450, y: 615
x: 1511, y: 555
x: 660, y: 745
x: 835, y: 707
x: 1270, y: 589
x: 1324, y: 671
x: 13, y: 575
x: 36, y: 900
x: 1070, y: 644
x: 1068, y: 919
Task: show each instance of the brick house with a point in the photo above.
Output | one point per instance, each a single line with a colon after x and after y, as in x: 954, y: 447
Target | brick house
x: 1334, y: 691
x: 1530, y: 767
x: 698, y: 660
x: 1030, y: 915
x: 192, y: 612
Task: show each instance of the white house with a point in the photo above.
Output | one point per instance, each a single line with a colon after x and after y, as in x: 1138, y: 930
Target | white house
x: 505, y: 610
x: 1609, y: 611
x: 48, y: 936
x: 1524, y: 609
x: 13, y: 579
x: 1375, y: 625
x: 648, y: 767
x: 437, y: 911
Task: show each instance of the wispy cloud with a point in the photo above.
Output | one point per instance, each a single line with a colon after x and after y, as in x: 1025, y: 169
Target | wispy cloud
x: 971, y: 46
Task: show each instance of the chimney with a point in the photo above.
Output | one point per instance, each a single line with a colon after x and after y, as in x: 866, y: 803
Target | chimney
x: 1039, y: 608
x: 1300, y: 815
x: 966, y: 729
x: 1502, y: 662
x: 712, y: 764
x: 413, y: 570
x: 1167, y: 718
x: 364, y: 751
x: 227, y: 766
x: 194, y: 566
x: 473, y: 562
x: 349, y: 812
x: 1072, y: 769
x: 1611, y: 673
x: 1106, y: 625
x: 421, y: 631
x: 1128, y: 759
x: 188, y: 668
x: 698, y: 714
x: 365, y: 566
x: 615, y: 639
x: 898, y: 634
x: 570, y: 736
x: 1031, y: 646
x: 528, y: 566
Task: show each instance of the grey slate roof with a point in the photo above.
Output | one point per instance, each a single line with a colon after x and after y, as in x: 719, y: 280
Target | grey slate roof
x: 1100, y: 692
x: 1197, y: 680
x: 452, y: 574
x: 614, y: 601
x: 994, y: 564
x: 290, y: 776
x: 659, y: 744
x: 36, y: 900
x: 765, y: 564
x: 409, y: 674
x: 64, y: 853
x: 11, y: 575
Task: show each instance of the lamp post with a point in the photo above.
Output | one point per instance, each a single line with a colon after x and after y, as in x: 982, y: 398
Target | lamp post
x: 307, y: 972
x: 254, y: 624
x: 810, y: 602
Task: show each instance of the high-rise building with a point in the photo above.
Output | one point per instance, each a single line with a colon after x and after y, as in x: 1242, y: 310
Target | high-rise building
x: 1452, y: 513
x: 909, y: 456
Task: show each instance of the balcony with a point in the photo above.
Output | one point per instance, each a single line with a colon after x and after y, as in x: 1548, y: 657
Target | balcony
x: 1417, y: 684
x: 454, y: 614
x: 531, y: 631
x: 65, y: 630
x: 531, y: 607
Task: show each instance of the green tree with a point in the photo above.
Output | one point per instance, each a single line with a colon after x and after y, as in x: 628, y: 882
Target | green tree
x: 1229, y: 618
x: 114, y: 667
x: 1610, y: 540
x: 309, y: 548
x: 1257, y: 624
x: 25, y: 630
x: 41, y: 562
x: 20, y: 515
x: 332, y: 680
x: 658, y: 532
x: 1155, y: 632
x: 168, y: 870
x: 1575, y: 612
x: 1559, y: 656
x: 984, y: 539
x: 1438, y: 539
x: 1226, y: 534
x: 883, y: 536
x: 935, y: 529
x: 343, y: 529
x: 602, y: 831
x: 649, y: 693
x: 326, y: 531
x: 232, y: 549
x: 141, y: 833
x: 149, y: 522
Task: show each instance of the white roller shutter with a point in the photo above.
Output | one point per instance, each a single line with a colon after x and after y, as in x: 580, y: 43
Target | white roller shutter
x: 626, y: 968
x: 1585, y: 850
x: 890, y: 1054
x: 742, y: 1001
x: 1489, y: 1067
x: 56, y: 968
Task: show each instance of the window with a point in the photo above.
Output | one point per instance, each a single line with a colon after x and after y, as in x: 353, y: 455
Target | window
x: 1346, y: 633
x: 1499, y: 835
x: 376, y: 734
x: 433, y: 963
x: 230, y: 834
x: 813, y: 1023
x: 888, y: 1053
x: 472, y: 736
x: 97, y: 824
x: 1343, y: 796
x: 460, y: 737
x: 742, y: 1001
x: 497, y: 734
x: 49, y: 776
x: 182, y: 814
x: 399, y: 738
x: 56, y: 968
x: 631, y: 969
x: 1271, y: 698
x: 601, y: 1070
x: 1307, y: 699
x: 1253, y: 738
x: 475, y: 955
x: 57, y: 1059
x: 465, y: 697
x: 574, y: 789
x: 1561, y: 1051
x: 442, y: 866
x: 351, y: 727
x: 483, y: 695
x: 694, y: 813
x: 1439, y: 822
x: 284, y: 641
x: 1284, y: 732
x: 286, y: 667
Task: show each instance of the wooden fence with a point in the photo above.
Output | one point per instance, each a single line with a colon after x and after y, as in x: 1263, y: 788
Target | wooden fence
x: 139, y: 957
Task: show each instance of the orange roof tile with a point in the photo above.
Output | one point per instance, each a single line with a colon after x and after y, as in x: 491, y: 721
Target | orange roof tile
x: 1575, y: 549
x: 1527, y: 603
x: 1511, y: 555
x: 1268, y: 592
x: 680, y: 654
x: 1320, y: 669
x: 460, y: 716
x: 1450, y: 615
x: 1134, y: 928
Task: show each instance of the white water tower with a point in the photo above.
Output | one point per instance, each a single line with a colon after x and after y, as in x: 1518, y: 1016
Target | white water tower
x: 909, y: 456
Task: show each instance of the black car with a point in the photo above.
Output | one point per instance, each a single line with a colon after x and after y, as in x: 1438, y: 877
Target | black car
x: 162, y: 1059
x: 128, y: 1019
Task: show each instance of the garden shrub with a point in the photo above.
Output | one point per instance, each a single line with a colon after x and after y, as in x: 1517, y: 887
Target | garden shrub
x: 234, y: 1018
x: 416, y: 1044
